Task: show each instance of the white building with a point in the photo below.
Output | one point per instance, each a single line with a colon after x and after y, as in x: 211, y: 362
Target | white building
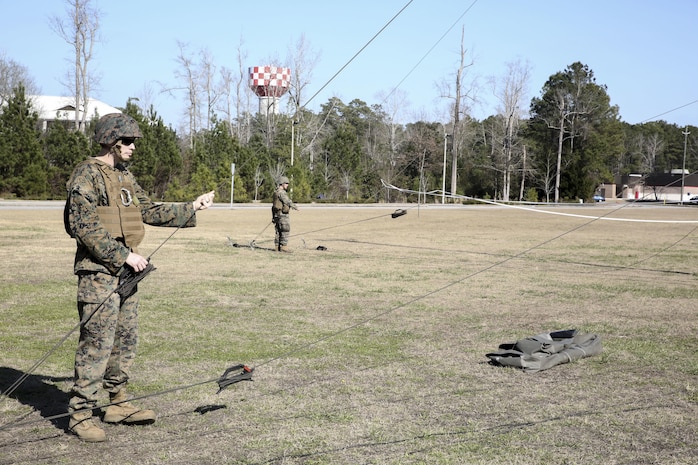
x: 52, y: 109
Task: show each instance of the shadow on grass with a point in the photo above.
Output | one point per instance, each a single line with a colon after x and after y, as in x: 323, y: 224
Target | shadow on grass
x: 39, y: 392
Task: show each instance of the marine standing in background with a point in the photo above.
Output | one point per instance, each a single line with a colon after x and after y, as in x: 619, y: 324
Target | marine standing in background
x: 281, y: 205
x: 105, y: 213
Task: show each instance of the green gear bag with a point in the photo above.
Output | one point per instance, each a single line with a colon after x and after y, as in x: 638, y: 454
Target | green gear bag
x: 546, y: 350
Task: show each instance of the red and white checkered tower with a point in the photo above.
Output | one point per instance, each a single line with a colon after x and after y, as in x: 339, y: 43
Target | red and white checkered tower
x: 269, y: 83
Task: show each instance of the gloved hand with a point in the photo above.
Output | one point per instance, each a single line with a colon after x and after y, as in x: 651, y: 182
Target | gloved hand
x: 129, y: 279
x: 204, y: 201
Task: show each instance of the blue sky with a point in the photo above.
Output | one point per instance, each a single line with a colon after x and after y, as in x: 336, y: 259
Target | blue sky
x: 643, y: 51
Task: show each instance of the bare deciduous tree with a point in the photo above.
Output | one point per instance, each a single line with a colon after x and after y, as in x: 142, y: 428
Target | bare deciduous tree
x: 650, y: 148
x: 459, y: 96
x: 303, y: 60
x: 146, y: 98
x: 511, y: 92
x: 393, y: 104
x: 317, y: 128
x: 345, y: 183
x: 12, y: 74
x: 80, y: 30
x: 235, y: 97
x: 546, y: 170
x: 188, y: 74
x: 227, y: 101
x: 258, y: 180
x: 209, y: 88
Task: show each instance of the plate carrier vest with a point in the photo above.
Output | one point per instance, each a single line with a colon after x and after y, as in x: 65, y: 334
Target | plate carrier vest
x: 122, y: 217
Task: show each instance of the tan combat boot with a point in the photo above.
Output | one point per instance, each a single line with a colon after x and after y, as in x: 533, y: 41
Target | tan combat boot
x: 84, y: 427
x: 125, y: 412
x: 283, y: 248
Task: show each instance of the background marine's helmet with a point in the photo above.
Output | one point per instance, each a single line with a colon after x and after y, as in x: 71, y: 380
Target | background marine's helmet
x: 114, y: 126
x: 282, y: 180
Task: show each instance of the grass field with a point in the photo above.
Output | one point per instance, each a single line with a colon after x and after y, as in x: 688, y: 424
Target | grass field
x: 373, y: 351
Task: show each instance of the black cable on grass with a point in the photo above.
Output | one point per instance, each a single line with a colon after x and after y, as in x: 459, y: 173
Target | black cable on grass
x: 418, y: 298
x: 455, y: 432
x: 604, y: 266
x: 449, y: 433
x: 436, y: 291
x: 507, y: 259
x: 509, y: 427
x: 65, y: 414
x: 362, y: 322
x: 659, y: 252
x: 592, y: 220
x: 338, y: 225
x: 346, y: 329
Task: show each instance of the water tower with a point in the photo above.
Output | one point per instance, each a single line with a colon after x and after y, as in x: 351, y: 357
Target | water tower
x: 269, y: 83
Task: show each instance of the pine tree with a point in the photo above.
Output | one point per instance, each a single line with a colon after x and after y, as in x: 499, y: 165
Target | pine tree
x: 23, y: 168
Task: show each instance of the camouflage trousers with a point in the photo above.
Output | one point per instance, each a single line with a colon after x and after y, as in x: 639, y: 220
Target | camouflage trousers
x: 283, y: 229
x: 107, y: 345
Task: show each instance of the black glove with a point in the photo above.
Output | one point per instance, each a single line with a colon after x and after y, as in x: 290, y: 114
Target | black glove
x: 129, y: 279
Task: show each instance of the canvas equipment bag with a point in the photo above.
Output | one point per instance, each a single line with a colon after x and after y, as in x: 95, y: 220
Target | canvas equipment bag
x: 543, y: 351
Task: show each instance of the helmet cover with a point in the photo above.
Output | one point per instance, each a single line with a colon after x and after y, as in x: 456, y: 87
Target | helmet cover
x: 115, y: 126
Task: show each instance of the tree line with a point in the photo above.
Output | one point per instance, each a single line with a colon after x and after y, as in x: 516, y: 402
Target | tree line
x: 572, y: 141
x: 558, y: 146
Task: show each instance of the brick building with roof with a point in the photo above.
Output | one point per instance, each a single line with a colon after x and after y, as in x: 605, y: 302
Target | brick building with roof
x: 655, y: 187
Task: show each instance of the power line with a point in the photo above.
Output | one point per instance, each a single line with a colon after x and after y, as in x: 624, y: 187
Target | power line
x: 357, y: 54
x: 667, y: 112
x: 429, y: 51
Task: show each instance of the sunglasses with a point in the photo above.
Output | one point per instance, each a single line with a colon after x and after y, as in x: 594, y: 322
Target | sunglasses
x: 128, y: 140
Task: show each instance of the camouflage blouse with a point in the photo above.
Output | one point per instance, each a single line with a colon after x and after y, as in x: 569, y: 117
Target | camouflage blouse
x: 97, y: 250
x: 281, y: 202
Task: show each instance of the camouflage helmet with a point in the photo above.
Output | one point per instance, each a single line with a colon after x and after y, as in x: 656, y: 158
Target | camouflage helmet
x: 282, y: 180
x: 114, y: 126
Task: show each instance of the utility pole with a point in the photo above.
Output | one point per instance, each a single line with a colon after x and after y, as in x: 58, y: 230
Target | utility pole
x: 683, y: 166
x: 443, y: 178
x: 232, y: 183
x: 293, y: 139
x: 523, y: 174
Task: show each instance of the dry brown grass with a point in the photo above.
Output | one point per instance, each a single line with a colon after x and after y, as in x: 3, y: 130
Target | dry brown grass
x: 373, y: 351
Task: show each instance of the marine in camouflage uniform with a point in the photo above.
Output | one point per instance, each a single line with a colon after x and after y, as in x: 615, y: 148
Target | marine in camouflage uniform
x: 105, y: 212
x: 281, y: 205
